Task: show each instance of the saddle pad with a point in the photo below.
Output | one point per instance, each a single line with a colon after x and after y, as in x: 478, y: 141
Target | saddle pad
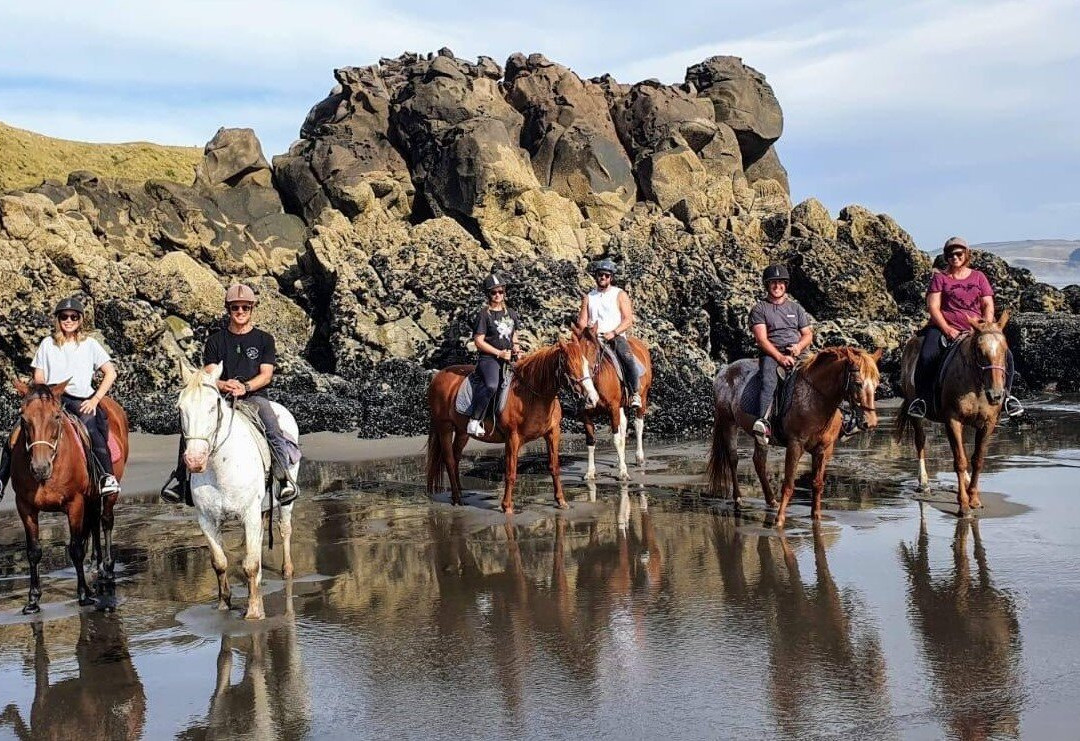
x: 951, y: 352
x: 785, y: 392
x: 78, y: 430
x: 609, y: 350
x: 463, y: 402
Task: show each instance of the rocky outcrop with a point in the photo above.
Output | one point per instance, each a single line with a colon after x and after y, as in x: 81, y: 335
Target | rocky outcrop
x: 1045, y: 347
x: 418, y: 175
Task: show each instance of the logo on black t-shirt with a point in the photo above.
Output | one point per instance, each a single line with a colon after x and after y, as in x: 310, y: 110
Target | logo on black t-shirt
x: 252, y: 352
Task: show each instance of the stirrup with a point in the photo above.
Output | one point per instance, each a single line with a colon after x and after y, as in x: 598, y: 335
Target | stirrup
x: 172, y: 492
x: 635, y: 401
x: 287, y: 492
x: 761, y: 431
x: 1012, y: 406
x: 917, y: 409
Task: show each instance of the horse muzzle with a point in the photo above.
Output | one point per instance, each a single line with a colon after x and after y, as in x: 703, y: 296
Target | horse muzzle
x: 195, y: 463
x: 42, y: 471
x: 995, y: 396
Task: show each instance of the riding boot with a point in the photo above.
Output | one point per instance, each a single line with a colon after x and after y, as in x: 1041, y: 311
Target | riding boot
x: 287, y: 489
x: 177, y: 489
x: 5, y: 466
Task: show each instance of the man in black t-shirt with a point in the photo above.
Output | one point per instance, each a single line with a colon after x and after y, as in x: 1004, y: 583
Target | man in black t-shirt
x: 248, y: 355
x: 495, y: 335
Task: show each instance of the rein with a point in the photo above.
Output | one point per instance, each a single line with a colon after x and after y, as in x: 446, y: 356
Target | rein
x: 212, y: 440
x: 847, y: 394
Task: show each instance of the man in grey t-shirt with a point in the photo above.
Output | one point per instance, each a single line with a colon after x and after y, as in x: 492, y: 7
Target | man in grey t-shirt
x: 782, y: 330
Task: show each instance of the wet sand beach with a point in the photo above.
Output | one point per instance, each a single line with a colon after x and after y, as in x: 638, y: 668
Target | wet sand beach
x: 644, y: 611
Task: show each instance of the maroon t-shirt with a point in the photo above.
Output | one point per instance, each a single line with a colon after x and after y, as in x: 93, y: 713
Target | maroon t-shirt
x: 960, y: 297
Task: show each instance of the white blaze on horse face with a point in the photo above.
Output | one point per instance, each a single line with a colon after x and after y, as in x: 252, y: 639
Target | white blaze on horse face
x: 592, y: 397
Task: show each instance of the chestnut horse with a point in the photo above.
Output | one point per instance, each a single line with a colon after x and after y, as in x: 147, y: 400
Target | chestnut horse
x: 49, y: 474
x: 812, y: 424
x: 972, y: 391
x: 532, y: 411
x: 611, y: 400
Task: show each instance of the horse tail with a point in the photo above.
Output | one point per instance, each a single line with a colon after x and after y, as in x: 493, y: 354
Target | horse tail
x: 434, y: 459
x: 717, y: 468
x: 903, y: 422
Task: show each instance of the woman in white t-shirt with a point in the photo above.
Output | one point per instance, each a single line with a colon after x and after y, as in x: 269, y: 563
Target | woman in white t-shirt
x: 70, y: 355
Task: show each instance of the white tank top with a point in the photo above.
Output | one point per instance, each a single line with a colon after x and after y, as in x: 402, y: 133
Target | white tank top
x: 604, y: 309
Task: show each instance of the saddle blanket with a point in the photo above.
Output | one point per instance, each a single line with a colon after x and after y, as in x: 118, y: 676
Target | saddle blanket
x: 781, y: 403
x: 465, y: 393
x: 78, y: 431
x: 609, y: 350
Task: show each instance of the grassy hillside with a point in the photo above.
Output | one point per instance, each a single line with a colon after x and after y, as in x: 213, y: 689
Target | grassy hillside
x: 27, y: 158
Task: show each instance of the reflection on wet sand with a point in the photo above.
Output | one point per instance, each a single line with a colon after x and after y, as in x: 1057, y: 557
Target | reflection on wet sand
x: 971, y: 637
x: 823, y: 649
x: 104, y: 701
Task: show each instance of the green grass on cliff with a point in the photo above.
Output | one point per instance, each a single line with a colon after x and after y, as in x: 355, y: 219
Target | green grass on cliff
x: 27, y: 158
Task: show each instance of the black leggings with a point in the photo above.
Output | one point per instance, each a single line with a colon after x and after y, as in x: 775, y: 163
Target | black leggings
x: 488, y: 367
x: 926, y: 369
x: 98, y: 427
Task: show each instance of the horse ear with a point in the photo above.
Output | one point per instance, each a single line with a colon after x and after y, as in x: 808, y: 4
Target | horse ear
x: 21, y: 387
x: 215, y: 374
x: 186, y: 371
x: 575, y: 330
x: 1004, y: 319
x: 974, y: 321
x: 877, y: 355
x: 58, y: 388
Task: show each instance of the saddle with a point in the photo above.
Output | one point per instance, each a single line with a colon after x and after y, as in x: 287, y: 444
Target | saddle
x: 781, y: 402
x: 933, y: 404
x: 620, y: 372
x: 463, y: 402
x: 86, y: 448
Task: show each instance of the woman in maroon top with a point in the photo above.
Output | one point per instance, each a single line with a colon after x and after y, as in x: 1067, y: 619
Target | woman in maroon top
x: 954, y: 295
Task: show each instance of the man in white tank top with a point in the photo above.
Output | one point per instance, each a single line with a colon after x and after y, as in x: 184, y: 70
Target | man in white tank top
x: 608, y: 308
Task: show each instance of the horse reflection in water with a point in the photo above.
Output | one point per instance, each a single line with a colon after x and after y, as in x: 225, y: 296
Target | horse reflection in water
x: 272, y: 699
x: 971, y: 637
x: 823, y: 652
x: 106, y: 699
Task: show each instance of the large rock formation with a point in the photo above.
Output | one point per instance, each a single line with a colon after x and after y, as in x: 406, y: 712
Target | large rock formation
x: 415, y: 177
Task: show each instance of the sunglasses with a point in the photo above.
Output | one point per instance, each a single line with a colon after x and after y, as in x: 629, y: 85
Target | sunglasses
x: 69, y: 317
x: 497, y: 292
x: 953, y: 255
x: 603, y: 275
x: 239, y: 308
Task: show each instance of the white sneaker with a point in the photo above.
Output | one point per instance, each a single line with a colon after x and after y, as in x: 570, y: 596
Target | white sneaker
x: 635, y: 401
x: 761, y: 431
x: 476, y: 428
x: 109, y: 484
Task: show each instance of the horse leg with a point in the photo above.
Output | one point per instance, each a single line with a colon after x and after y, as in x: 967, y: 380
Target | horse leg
x: 955, y: 430
x: 639, y: 431
x: 791, y: 462
x: 285, y: 528
x: 217, y: 558
x: 447, y: 439
x: 33, y: 557
x: 93, y: 535
x: 513, y: 445
x: 619, y: 433
x: 453, y: 462
x: 730, y: 434
x: 253, y: 562
x: 77, y: 518
x: 820, y: 459
x: 108, y: 519
x: 761, y: 457
x: 590, y: 446
x: 552, y: 440
x: 978, y: 458
x: 919, y: 433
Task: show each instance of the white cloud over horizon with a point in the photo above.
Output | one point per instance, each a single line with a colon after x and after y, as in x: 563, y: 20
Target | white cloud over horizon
x: 953, y: 116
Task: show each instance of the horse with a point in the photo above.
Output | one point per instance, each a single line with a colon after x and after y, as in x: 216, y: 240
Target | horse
x: 972, y: 391
x: 812, y: 424
x: 49, y: 473
x: 228, y: 461
x: 611, y: 401
x: 532, y: 411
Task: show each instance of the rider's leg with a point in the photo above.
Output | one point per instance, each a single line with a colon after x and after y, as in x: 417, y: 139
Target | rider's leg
x: 925, y: 370
x: 98, y: 443
x: 278, y: 449
x: 179, y: 480
x: 5, y: 464
x: 768, y: 367
x: 1012, y: 405
x: 488, y: 367
x: 629, y: 364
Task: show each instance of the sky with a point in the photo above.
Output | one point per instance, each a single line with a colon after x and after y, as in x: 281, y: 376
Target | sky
x: 954, y: 117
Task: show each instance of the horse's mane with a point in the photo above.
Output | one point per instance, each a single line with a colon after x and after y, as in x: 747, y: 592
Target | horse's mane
x: 866, y: 366
x: 541, y: 368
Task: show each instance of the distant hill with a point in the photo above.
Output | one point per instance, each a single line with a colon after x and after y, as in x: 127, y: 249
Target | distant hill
x: 1053, y: 261
x: 27, y: 158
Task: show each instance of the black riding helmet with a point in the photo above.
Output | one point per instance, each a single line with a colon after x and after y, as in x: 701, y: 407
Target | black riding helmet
x: 776, y: 272
x: 70, y: 304
x: 493, y: 281
x: 604, y: 266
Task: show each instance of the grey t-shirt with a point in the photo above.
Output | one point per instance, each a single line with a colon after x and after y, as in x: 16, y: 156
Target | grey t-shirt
x: 783, y: 321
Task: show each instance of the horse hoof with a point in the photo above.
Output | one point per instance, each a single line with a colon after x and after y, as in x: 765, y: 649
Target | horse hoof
x: 224, y: 605
x: 641, y: 461
x: 31, y: 609
x: 590, y: 476
x: 624, y: 475
x: 562, y: 505
x: 87, y: 601
x: 254, y: 614
x: 287, y: 572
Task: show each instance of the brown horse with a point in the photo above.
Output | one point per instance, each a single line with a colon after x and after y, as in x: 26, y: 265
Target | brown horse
x: 49, y: 474
x: 611, y: 400
x: 812, y: 424
x: 532, y: 411
x: 971, y: 394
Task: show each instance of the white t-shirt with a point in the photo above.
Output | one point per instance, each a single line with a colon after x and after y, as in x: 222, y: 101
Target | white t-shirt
x: 604, y: 309
x: 74, y: 362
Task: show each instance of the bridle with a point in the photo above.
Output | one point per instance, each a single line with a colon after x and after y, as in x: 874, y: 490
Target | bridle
x: 211, y: 440
x: 975, y: 351
x: 54, y: 445
x: 577, y: 383
x: 850, y: 393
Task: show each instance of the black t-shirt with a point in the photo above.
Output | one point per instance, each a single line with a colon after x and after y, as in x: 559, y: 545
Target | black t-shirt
x: 498, y: 327
x: 241, y: 353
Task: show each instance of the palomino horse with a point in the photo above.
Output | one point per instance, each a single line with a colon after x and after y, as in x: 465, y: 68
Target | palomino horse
x: 532, y: 410
x: 49, y: 473
x: 229, y: 462
x: 611, y: 400
x: 972, y: 390
x: 812, y: 424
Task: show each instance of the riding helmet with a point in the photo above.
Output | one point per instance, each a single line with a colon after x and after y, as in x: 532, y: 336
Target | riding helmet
x: 70, y: 304
x: 953, y: 242
x: 493, y: 281
x: 239, y: 292
x: 776, y: 272
x: 604, y: 266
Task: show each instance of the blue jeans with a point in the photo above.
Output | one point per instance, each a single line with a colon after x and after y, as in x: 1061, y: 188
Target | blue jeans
x: 769, y: 379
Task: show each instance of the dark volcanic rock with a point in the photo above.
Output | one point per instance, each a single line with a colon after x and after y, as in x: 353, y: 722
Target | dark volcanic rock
x: 1046, y: 347
x: 1072, y: 298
